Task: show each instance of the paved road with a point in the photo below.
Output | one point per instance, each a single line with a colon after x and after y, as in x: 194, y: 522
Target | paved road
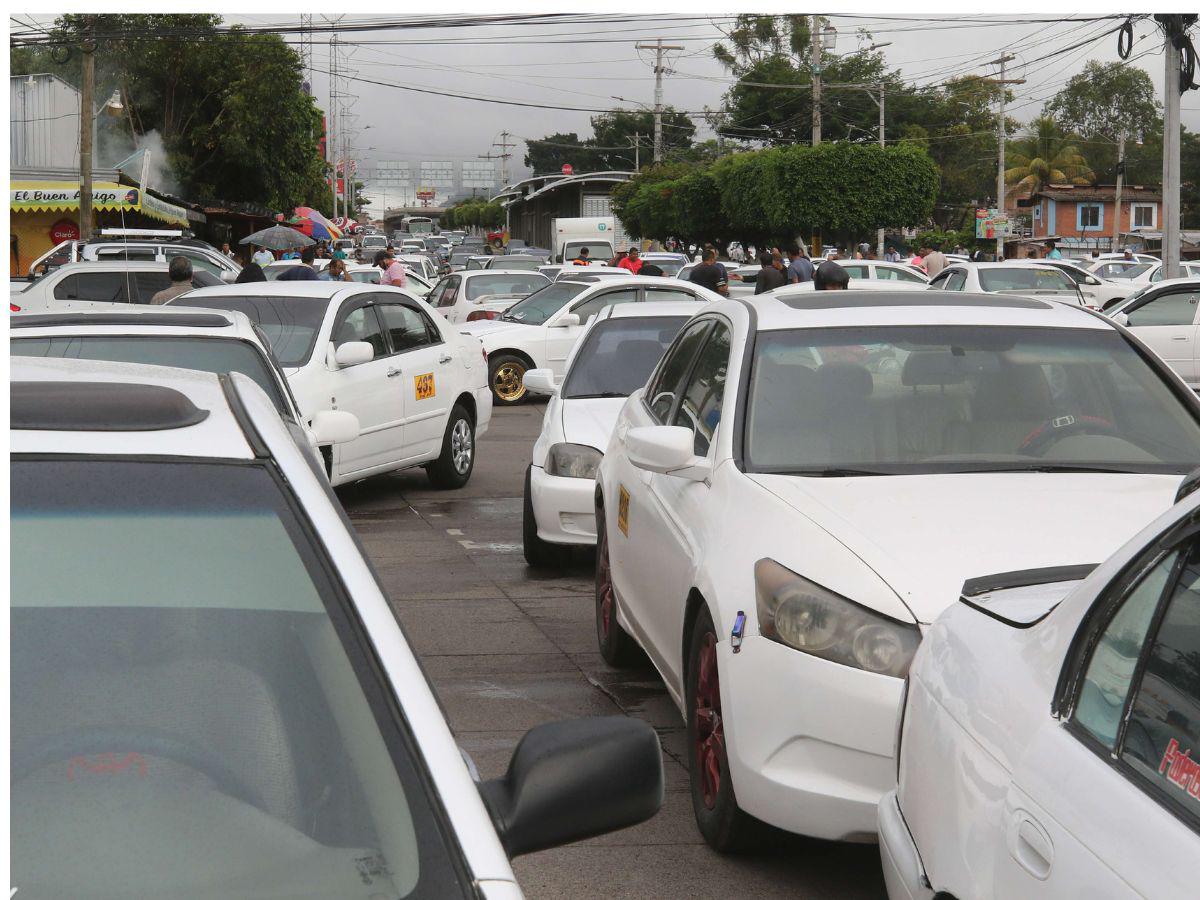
x: 508, y: 648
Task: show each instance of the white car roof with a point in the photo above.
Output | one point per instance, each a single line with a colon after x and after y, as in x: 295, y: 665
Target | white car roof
x: 650, y: 308
x: 855, y: 284
x: 1006, y: 264
x: 836, y: 309
x: 304, y: 288
x: 150, y: 410
x: 136, y: 319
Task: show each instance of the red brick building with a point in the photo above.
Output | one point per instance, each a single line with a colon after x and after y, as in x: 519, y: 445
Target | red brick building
x: 1080, y: 217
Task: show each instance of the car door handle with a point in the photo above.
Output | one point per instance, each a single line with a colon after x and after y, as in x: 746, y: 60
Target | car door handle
x: 1179, y: 337
x: 1030, y: 846
x: 445, y: 359
x: 392, y: 373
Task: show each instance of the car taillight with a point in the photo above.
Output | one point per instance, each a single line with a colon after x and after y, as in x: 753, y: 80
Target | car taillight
x: 481, y: 314
x: 12, y: 307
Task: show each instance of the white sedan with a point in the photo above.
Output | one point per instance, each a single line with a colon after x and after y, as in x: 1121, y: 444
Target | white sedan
x: 1142, y: 274
x: 1022, y: 279
x: 539, y: 331
x: 614, y: 357
x: 877, y: 270
x: 800, y: 490
x: 482, y: 293
x: 100, y: 285
x: 1166, y: 317
x: 210, y: 695
x: 418, y: 388
x: 1050, y: 745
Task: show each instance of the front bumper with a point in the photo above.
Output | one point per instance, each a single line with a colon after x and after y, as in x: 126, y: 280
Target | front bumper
x: 564, y: 508
x: 903, y: 872
x: 483, y: 410
x: 810, y: 742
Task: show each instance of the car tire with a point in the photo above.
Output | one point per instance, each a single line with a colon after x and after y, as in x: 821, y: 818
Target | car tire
x: 723, y: 824
x: 506, y: 374
x: 452, y: 469
x: 616, y: 646
x: 538, y: 553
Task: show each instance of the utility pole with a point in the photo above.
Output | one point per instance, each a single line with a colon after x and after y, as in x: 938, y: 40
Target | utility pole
x: 879, y: 233
x: 505, y: 154
x: 815, y: 59
x: 637, y: 152
x: 1001, y: 136
x: 1116, y: 225
x: 1171, y: 95
x: 334, y: 131
x: 659, y: 48
x: 87, y: 112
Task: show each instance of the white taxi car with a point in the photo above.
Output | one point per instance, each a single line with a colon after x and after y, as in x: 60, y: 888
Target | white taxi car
x: 464, y: 296
x: 210, y: 695
x: 1069, y: 728
x: 100, y: 285
x: 802, y: 487
x: 539, y: 331
x: 1025, y: 279
x: 619, y: 348
x: 1166, y: 316
x: 209, y: 341
x: 418, y: 387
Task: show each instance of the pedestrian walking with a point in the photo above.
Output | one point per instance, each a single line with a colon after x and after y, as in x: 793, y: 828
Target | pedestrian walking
x: 632, y: 261
x: 829, y: 276
x: 935, y: 261
x: 180, y: 272
x: 392, y: 271
x: 769, y: 276
x: 263, y: 256
x: 251, y: 273
x: 800, y: 267
x: 710, y: 273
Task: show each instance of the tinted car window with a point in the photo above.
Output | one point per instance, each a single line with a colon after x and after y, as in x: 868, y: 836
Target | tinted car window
x: 407, y: 327
x: 618, y: 355
x: 502, y: 283
x: 700, y: 408
x: 541, y: 305
x: 361, y: 324
x: 1014, y: 278
x: 1167, y: 309
x: 105, y: 287
x: 594, y: 304
x: 290, y: 323
x: 147, y: 284
x: 665, y: 387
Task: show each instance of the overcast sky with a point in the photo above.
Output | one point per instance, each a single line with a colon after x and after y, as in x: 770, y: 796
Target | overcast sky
x: 596, y: 66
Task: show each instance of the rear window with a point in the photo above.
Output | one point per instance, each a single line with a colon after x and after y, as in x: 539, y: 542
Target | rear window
x: 501, y: 283
x: 289, y: 323
x: 1018, y: 279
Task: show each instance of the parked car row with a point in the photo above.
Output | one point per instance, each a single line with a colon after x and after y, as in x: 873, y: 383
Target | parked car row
x: 919, y: 493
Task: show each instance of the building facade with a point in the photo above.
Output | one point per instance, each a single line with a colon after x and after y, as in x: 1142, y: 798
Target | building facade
x: 43, y: 122
x: 534, y: 204
x: 1080, y: 217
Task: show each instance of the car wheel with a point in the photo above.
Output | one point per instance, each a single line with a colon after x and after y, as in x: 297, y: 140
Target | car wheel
x: 506, y: 375
x: 725, y: 827
x: 616, y: 646
x: 538, y: 553
x: 452, y: 469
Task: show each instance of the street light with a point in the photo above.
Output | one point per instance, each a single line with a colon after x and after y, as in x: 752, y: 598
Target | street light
x: 828, y: 37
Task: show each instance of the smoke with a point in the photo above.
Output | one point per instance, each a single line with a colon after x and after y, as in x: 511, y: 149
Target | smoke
x: 113, y: 145
x: 159, y: 174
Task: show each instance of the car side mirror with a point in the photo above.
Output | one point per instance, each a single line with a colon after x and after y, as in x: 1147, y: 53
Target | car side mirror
x: 567, y: 320
x: 335, y: 426
x: 540, y: 381
x: 576, y: 779
x: 1120, y: 318
x: 666, y: 449
x: 1093, y: 280
x: 229, y: 277
x: 353, y: 353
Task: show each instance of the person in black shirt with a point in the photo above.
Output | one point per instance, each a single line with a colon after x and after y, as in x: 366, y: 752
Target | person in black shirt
x: 710, y: 275
x: 769, y: 277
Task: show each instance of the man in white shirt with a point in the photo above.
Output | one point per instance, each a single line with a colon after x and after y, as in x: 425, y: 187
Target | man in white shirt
x: 263, y: 256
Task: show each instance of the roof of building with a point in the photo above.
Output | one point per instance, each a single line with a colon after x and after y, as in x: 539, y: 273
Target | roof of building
x: 1098, y: 192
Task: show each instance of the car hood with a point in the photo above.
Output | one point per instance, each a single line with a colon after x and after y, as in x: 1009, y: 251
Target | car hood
x: 591, y: 421
x: 926, y: 534
x: 488, y: 327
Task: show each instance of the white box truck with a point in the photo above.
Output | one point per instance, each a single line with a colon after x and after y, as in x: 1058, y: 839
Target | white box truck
x: 597, y: 233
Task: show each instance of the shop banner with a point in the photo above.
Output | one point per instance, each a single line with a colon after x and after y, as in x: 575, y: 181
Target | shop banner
x: 63, y: 196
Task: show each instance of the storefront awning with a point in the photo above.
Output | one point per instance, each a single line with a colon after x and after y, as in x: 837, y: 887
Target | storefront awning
x: 63, y: 196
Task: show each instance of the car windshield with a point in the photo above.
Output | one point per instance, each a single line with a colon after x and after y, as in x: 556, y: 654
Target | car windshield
x: 670, y: 267
x: 1131, y: 271
x: 504, y: 283
x: 206, y: 354
x: 617, y: 355
x: 598, y: 251
x: 910, y: 399
x: 194, y: 711
x: 290, y: 323
x: 528, y: 264
x: 541, y: 305
x: 1014, y: 278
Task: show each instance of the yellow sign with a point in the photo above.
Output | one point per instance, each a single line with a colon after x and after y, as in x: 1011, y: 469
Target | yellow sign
x: 623, y: 511
x: 424, y: 386
x: 63, y: 196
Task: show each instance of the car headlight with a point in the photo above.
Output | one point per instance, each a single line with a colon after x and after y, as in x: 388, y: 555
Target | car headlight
x: 573, y: 461
x: 805, y: 616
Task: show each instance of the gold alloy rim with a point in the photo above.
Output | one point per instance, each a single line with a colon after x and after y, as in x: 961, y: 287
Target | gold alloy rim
x: 509, y: 381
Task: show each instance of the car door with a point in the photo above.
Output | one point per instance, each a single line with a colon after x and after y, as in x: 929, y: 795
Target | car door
x: 561, y: 338
x: 635, y: 517
x: 371, y: 390
x: 1166, y: 322
x: 90, y: 288
x: 655, y: 293
x: 429, y: 380
x: 1107, y: 803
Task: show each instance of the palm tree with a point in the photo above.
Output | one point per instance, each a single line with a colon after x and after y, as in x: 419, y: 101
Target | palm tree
x: 1045, y: 156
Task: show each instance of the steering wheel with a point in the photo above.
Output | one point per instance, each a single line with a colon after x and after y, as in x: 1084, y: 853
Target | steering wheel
x: 95, y: 740
x: 1050, y: 432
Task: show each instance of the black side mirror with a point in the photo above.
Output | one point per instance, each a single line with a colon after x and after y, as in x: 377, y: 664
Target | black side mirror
x: 1190, y: 482
x: 575, y: 779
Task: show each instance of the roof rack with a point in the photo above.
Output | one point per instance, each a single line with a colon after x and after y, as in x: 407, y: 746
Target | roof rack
x: 142, y: 232
x: 99, y: 406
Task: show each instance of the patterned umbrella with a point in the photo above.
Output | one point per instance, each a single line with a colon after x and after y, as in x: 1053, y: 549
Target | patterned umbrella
x: 278, y: 237
x: 322, y: 228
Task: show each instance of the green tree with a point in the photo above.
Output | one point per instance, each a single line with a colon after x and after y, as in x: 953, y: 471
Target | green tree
x: 548, y: 155
x: 1106, y: 98
x: 1045, y: 155
x: 615, y: 131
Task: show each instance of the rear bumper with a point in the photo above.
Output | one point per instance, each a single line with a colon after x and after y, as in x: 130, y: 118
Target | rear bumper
x: 903, y: 872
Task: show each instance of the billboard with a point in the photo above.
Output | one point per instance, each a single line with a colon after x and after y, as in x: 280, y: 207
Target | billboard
x: 478, y: 174
x: 992, y: 224
x: 393, y: 171
x: 437, y: 174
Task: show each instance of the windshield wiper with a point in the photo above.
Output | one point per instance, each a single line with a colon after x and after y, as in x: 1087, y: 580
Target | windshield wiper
x: 830, y: 473
x: 1057, y: 467
x: 597, y: 396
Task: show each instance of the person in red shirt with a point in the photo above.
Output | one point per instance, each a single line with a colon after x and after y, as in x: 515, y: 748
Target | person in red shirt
x: 632, y: 262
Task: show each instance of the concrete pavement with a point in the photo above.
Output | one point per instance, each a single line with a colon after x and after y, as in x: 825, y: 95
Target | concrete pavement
x: 508, y: 647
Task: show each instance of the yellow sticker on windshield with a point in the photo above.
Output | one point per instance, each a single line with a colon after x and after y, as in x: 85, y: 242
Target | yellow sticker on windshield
x: 623, y: 511
x: 424, y: 386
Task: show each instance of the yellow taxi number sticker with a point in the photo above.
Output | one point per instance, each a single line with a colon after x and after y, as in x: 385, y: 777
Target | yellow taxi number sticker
x: 623, y: 511
x: 424, y: 386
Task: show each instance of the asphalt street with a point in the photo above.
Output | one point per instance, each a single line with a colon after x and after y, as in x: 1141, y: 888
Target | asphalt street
x: 508, y: 648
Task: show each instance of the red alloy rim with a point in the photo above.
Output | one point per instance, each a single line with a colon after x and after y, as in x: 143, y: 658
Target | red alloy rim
x: 606, y: 591
x: 710, y: 730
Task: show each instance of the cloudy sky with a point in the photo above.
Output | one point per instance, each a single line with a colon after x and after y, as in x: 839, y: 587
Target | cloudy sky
x: 576, y: 68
